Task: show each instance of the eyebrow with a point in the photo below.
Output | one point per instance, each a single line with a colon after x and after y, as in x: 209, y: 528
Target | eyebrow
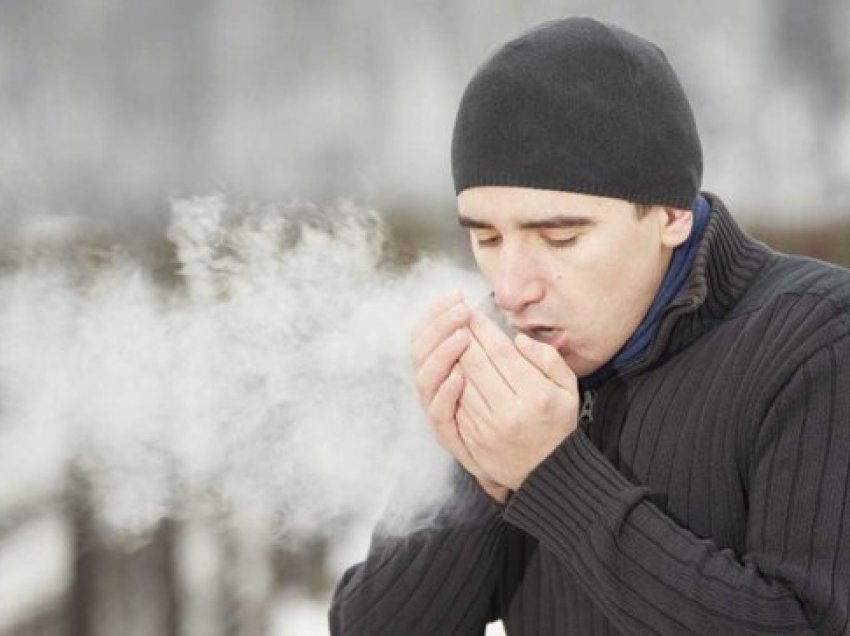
x: 551, y: 222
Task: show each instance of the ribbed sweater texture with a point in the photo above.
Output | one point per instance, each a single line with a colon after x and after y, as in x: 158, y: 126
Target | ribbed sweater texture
x: 707, y: 494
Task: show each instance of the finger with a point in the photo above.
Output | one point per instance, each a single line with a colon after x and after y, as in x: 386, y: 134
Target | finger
x: 439, y: 364
x: 437, y: 330
x: 474, y: 403
x: 465, y: 428
x: 519, y: 373
x: 435, y: 310
x: 442, y: 408
x: 445, y: 425
x: 468, y: 432
x: 548, y: 360
x: 478, y: 369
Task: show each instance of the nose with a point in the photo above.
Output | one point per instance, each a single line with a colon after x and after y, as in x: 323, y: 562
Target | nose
x: 517, y: 283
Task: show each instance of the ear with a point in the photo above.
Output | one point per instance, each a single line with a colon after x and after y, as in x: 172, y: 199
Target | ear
x: 676, y: 226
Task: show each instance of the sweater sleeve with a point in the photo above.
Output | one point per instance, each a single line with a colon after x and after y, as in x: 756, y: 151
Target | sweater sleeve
x: 440, y: 580
x: 646, y: 573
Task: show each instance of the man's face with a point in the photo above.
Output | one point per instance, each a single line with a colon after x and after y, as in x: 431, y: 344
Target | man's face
x: 576, y: 271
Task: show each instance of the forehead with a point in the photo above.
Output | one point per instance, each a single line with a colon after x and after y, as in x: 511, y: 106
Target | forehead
x: 512, y: 206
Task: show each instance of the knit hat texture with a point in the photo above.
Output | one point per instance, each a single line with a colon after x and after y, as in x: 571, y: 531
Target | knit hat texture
x: 581, y: 106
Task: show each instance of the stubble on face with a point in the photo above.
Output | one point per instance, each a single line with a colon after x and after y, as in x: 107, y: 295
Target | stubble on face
x: 576, y: 271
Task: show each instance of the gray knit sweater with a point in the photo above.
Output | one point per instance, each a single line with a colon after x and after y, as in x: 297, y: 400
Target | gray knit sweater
x: 707, y: 492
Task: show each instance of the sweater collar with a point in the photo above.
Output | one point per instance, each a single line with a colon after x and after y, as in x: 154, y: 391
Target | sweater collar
x: 726, y: 262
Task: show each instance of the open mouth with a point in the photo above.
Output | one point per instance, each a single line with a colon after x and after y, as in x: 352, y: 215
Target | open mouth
x: 542, y: 333
x: 550, y: 335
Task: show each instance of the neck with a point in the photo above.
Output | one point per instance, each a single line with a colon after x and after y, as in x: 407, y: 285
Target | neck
x: 679, y: 266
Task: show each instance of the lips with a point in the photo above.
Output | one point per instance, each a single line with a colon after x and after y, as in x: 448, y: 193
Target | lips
x: 553, y: 336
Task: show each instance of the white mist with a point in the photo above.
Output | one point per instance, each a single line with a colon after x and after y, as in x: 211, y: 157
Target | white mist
x: 272, y: 387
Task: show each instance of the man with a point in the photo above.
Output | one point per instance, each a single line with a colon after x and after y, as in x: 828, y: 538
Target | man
x: 664, y: 445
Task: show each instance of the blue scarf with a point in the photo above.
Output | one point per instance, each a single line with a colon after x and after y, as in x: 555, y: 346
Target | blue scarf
x: 674, y: 280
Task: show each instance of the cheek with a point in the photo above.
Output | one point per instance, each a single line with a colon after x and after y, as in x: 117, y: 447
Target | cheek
x: 628, y: 284
x: 517, y: 262
x: 607, y: 279
x: 590, y: 269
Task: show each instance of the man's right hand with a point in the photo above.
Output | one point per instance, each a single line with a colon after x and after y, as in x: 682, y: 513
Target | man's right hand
x: 436, y: 347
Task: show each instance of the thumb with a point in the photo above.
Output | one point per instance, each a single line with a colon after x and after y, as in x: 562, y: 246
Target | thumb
x: 547, y: 359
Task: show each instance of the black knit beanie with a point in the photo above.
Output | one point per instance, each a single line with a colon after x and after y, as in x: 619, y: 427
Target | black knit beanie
x: 581, y: 106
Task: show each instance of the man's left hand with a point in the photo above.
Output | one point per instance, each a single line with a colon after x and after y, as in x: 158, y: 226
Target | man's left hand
x: 520, y: 401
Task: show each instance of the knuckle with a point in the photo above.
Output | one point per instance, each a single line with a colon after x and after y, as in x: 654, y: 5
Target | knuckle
x: 436, y: 414
x: 419, y: 380
x: 543, y: 401
x: 451, y: 319
x: 514, y: 417
x: 447, y: 348
x: 425, y: 390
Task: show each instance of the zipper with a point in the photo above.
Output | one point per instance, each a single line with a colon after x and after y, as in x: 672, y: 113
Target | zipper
x: 585, y: 415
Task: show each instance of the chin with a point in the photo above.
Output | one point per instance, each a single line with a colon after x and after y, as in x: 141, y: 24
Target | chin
x: 581, y: 365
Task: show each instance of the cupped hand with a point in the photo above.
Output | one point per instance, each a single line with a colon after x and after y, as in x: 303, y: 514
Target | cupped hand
x: 436, y: 347
x: 519, y: 402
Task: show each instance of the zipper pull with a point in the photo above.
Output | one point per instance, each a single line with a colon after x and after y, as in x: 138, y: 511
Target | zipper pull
x: 586, y: 412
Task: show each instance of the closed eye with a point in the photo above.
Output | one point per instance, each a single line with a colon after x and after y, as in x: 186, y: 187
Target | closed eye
x: 561, y: 243
x: 560, y: 237
x: 486, y: 240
